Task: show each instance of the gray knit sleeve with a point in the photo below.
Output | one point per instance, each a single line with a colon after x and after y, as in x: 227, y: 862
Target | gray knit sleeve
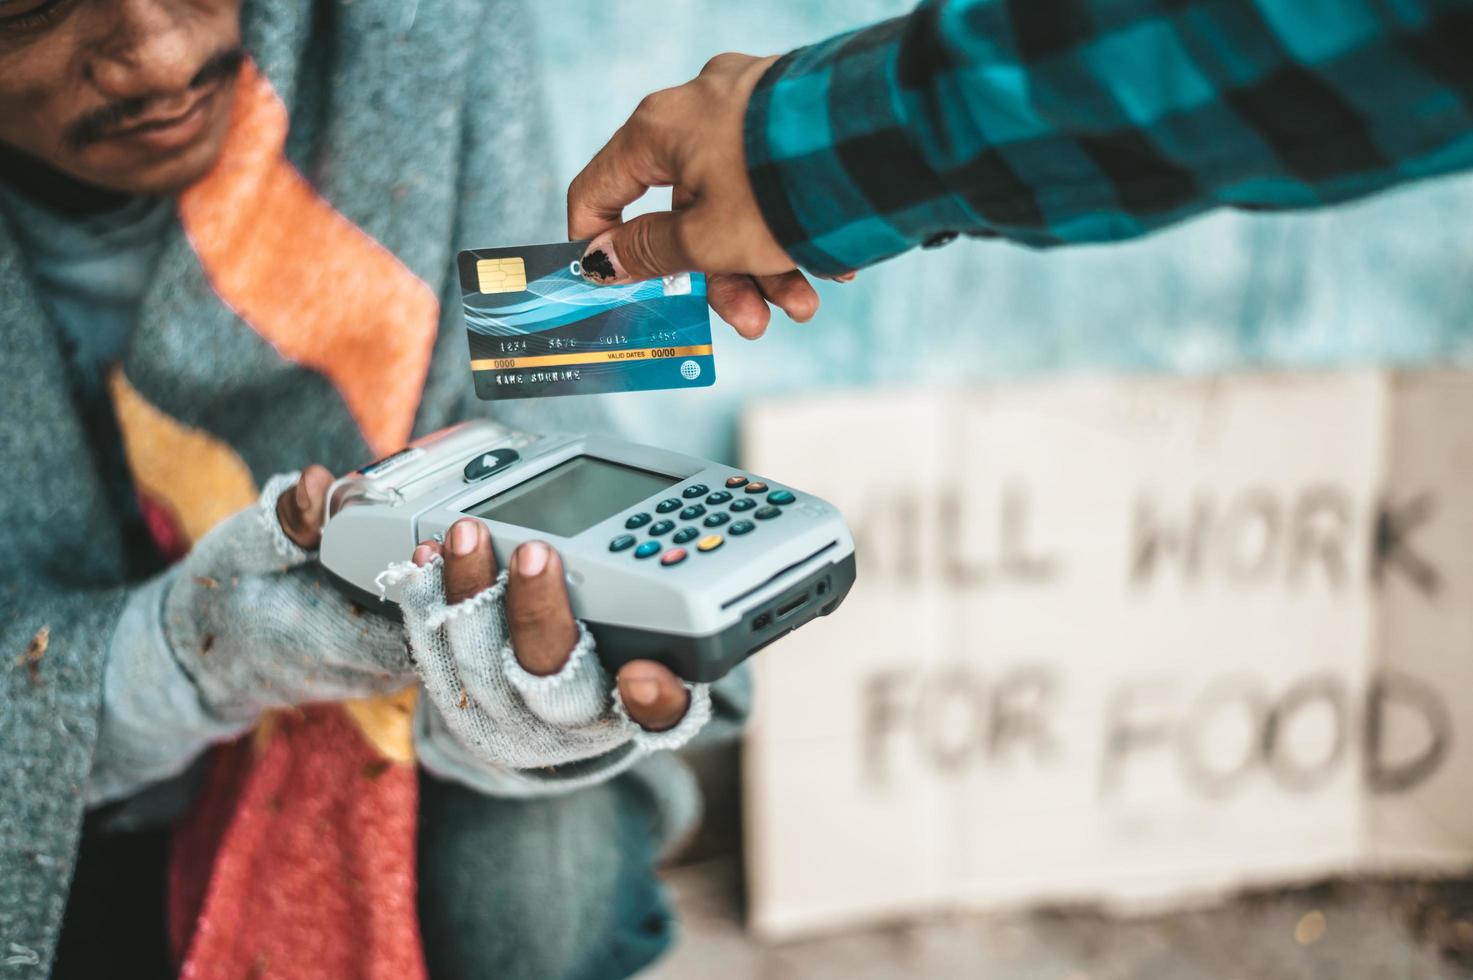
x: 152, y: 720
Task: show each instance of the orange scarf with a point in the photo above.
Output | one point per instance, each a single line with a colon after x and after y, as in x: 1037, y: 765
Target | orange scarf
x: 298, y: 861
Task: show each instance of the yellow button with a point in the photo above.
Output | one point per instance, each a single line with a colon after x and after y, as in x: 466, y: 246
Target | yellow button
x: 710, y: 542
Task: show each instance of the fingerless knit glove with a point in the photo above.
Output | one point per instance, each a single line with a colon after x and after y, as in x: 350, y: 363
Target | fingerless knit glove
x: 243, y: 623
x: 526, y: 734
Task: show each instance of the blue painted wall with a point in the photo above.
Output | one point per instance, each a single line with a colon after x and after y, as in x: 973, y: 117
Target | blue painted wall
x: 1386, y: 280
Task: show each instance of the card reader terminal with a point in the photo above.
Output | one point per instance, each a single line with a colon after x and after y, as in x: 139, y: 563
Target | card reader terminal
x: 668, y: 557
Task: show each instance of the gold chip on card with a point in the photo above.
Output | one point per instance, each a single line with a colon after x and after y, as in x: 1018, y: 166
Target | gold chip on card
x: 501, y: 275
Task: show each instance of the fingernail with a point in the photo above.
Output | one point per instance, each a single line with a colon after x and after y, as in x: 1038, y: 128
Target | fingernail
x: 846, y: 277
x: 531, y: 559
x: 463, y: 538
x: 304, y: 499
x: 423, y: 554
x: 599, y: 263
x: 642, y: 692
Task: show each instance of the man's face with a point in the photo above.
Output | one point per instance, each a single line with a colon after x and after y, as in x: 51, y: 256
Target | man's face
x: 130, y: 95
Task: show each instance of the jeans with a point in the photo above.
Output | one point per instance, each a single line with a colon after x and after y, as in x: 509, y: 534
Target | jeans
x: 561, y: 888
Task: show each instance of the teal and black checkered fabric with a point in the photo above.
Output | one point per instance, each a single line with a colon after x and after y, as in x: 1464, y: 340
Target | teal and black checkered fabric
x: 1051, y: 122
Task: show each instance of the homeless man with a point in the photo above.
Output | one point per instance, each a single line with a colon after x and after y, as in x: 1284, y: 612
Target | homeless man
x: 225, y: 253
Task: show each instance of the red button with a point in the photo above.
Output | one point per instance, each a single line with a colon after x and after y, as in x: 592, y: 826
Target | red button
x: 673, y: 557
x: 736, y: 481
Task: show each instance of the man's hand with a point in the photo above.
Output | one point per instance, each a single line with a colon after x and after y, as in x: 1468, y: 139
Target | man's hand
x: 543, y: 633
x: 301, y: 510
x: 540, y: 619
x: 689, y: 138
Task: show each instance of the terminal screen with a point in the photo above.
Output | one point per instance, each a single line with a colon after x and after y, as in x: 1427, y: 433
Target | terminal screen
x: 572, y: 496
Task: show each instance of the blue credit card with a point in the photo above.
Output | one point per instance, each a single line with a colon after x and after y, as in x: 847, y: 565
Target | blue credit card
x: 537, y: 328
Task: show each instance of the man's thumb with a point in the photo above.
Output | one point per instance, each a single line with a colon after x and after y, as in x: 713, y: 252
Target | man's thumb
x: 642, y: 248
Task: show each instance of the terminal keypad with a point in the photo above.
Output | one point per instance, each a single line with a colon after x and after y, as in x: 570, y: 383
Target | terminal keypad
x: 742, y: 495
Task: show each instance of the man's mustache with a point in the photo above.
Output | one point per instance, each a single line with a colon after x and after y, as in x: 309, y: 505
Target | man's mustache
x: 95, y: 125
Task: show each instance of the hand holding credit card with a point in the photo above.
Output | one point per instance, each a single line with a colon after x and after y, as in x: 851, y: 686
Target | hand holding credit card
x: 537, y: 328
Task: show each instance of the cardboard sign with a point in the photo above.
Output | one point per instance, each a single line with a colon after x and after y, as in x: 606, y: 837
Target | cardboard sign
x: 1120, y: 642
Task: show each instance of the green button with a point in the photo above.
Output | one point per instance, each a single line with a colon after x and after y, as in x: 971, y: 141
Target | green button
x: 781, y: 497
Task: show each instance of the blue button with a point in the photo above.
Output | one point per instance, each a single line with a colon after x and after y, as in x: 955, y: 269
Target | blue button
x: 743, y: 527
x: 622, y: 542
x: 667, y: 505
x: 767, y: 513
x: 647, y: 549
x: 662, y: 527
x: 692, y: 512
x: 746, y: 503
x: 716, y: 520
x: 719, y: 497
x: 638, y: 520
x: 694, y: 491
x: 781, y: 497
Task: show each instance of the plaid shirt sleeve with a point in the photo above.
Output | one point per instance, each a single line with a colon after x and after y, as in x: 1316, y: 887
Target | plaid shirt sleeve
x: 1051, y: 122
